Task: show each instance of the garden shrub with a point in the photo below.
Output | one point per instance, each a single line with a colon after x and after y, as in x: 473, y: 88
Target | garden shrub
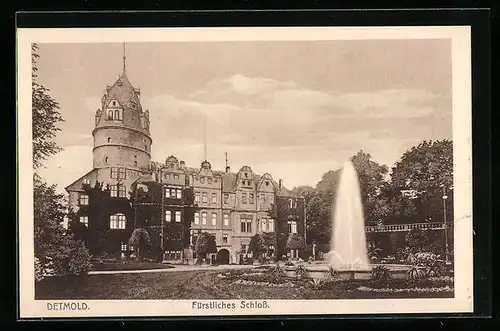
x: 39, y: 276
x: 430, y: 262
x: 381, y: 275
x: 79, y: 262
x: 300, y: 272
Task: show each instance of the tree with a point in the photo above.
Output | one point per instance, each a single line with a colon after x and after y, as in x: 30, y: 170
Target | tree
x: 416, y: 241
x: 46, y: 117
x: 205, y: 244
x: 256, y: 245
x: 295, y: 241
x: 140, y: 240
x: 419, y: 178
x: 372, y: 178
x: 48, y: 214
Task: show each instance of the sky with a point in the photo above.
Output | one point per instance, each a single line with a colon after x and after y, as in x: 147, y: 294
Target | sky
x: 294, y: 109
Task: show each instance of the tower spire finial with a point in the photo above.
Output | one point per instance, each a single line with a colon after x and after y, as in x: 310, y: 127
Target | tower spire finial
x: 124, y: 59
x: 205, y: 138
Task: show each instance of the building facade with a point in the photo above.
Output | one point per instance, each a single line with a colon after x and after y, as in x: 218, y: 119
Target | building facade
x: 174, y: 202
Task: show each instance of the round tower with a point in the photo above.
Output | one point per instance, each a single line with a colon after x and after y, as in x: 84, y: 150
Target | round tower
x: 121, y: 133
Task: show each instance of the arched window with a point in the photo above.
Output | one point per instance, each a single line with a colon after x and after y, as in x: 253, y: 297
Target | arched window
x: 146, y: 148
x: 117, y: 115
x: 106, y: 159
x: 110, y: 115
x: 109, y: 139
x: 135, y: 163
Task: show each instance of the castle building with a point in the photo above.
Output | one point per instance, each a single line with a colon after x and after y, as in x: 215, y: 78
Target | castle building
x: 232, y: 206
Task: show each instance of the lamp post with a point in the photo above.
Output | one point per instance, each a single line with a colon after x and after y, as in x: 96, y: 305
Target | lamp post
x: 445, y: 197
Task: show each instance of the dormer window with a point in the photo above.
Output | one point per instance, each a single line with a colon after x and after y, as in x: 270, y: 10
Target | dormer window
x: 246, y: 175
x: 114, y: 103
x: 118, y: 115
x: 119, y: 83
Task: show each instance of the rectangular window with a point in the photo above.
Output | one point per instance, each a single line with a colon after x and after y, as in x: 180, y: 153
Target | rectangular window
x: 114, y: 172
x: 244, y: 198
x: 244, y: 248
x: 117, y: 221
x: 86, y: 181
x: 214, y: 219
x: 205, y: 197
x: 84, y: 220
x: 122, y: 174
x: 179, y: 193
x: 209, y: 180
x: 263, y: 224
x: 204, y: 218
x: 290, y: 203
x: 251, y: 198
x: 224, y: 238
x: 167, y: 176
x: 197, y: 197
x: 214, y: 197
x: 270, y: 226
x: 196, y: 218
x: 202, y: 180
x: 226, y: 219
x: 168, y: 216
x: 176, y: 176
x: 292, y: 226
x: 167, y: 193
x: 270, y: 250
x: 226, y: 198
x: 84, y: 200
x: 246, y: 225
x: 113, y: 191
x: 122, y: 191
x: 124, y: 247
x: 178, y: 216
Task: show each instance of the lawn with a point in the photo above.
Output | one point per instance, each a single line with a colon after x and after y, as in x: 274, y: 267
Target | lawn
x: 208, y: 285
x: 129, y: 265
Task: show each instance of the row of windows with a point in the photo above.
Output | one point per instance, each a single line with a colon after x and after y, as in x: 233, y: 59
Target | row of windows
x: 245, y: 198
x: 209, y: 179
x: 169, y: 176
x: 244, y: 249
x: 168, y: 216
x: 214, y: 218
x: 116, y: 221
x: 173, y: 193
x: 204, y: 197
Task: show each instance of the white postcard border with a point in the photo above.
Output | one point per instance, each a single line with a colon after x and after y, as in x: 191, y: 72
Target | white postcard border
x: 462, y: 142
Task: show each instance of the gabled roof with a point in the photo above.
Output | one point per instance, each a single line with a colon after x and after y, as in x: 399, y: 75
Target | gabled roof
x: 74, y: 186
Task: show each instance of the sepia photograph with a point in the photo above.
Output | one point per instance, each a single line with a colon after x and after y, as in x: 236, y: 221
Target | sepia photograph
x: 245, y: 172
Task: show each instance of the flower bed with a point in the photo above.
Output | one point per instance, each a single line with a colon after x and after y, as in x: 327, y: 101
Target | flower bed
x: 262, y: 283
x: 445, y: 289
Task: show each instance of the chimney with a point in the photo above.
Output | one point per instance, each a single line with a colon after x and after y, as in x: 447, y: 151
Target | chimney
x: 280, y: 184
x: 228, y: 169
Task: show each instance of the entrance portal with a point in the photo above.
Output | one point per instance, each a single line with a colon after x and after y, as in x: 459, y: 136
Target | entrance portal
x: 223, y: 256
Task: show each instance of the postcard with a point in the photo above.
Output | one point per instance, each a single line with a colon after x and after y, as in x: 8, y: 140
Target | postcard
x: 244, y: 171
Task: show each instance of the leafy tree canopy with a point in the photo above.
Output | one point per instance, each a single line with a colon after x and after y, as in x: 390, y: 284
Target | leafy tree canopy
x: 46, y: 117
x: 205, y: 244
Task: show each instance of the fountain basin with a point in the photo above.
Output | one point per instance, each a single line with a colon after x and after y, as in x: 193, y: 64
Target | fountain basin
x: 320, y: 271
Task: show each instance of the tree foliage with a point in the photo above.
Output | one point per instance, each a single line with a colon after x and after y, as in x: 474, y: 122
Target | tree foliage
x: 45, y: 116
x: 140, y: 240
x: 295, y: 241
x: 205, y: 244
x: 256, y: 245
x: 422, y: 174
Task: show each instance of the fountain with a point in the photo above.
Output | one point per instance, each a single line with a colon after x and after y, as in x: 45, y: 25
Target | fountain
x: 348, y: 255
